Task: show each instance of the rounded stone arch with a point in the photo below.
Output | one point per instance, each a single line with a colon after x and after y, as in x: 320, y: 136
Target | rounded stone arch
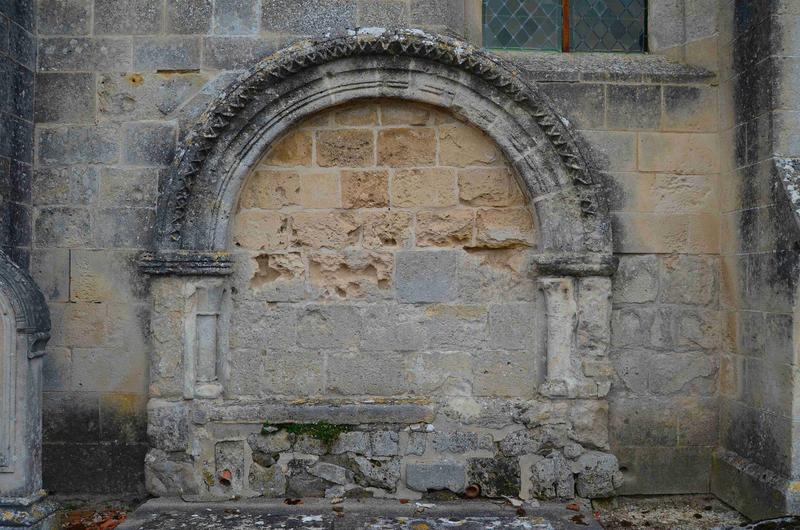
x: 24, y: 301
x: 212, y: 163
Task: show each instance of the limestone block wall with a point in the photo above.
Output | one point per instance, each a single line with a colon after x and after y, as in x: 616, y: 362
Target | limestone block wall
x: 654, y: 134
x: 757, y: 468
x: 119, y: 82
x: 384, y: 251
x: 17, y: 66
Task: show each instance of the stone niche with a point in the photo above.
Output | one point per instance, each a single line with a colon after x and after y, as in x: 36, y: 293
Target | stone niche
x: 386, y: 298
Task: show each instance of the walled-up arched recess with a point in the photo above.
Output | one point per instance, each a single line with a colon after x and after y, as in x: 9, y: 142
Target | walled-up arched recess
x: 215, y: 158
x: 200, y: 326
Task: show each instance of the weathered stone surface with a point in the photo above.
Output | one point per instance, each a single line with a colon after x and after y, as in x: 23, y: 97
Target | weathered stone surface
x: 235, y: 52
x: 148, y: 96
x: 400, y: 147
x: 63, y: 17
x: 329, y: 327
x: 259, y: 229
x: 444, y: 229
x: 323, y: 15
x: 149, y: 144
x: 634, y: 107
x: 598, y: 475
x: 386, y: 229
x: 345, y: 148
x: 380, y: 473
x: 519, y: 443
x: 352, y: 442
x: 324, y: 230
x: 353, y: 274
x: 65, y: 54
x: 78, y: 145
x: 165, y: 477
x: 167, y: 53
x: 384, y: 443
x: 636, y: 279
x: 267, y: 481
x: 504, y: 228
x: 417, y: 443
x: 331, y: 473
x: 551, y: 477
x: 462, y: 146
x: 300, y: 483
x: 460, y: 442
x: 425, y: 276
x: 236, y: 17
x: 64, y: 98
x: 440, y: 476
x: 435, y: 187
x: 365, y: 189
x: 487, y: 187
x: 127, y: 16
x: 497, y: 477
x: 270, y: 443
x: 189, y: 16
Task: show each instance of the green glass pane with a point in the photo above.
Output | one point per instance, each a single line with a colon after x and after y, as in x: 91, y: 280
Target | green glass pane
x: 608, y: 25
x: 522, y: 24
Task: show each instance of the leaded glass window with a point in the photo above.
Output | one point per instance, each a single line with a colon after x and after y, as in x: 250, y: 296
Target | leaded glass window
x: 566, y: 25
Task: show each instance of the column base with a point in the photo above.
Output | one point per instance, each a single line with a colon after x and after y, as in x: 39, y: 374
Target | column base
x: 36, y: 512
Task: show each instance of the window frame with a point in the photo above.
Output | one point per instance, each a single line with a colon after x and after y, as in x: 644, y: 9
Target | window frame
x: 478, y: 7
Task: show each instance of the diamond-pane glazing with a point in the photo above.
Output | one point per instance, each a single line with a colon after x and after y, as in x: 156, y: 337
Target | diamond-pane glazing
x: 607, y: 25
x: 522, y: 24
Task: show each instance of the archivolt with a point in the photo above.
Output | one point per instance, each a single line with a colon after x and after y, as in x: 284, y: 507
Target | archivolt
x: 214, y: 159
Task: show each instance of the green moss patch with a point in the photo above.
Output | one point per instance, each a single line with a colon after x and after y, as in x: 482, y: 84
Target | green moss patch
x: 326, y: 432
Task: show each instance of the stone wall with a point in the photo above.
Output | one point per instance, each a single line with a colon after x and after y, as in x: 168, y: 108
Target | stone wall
x: 654, y: 134
x: 757, y: 466
x: 410, y: 227
x: 17, y: 66
x: 120, y: 81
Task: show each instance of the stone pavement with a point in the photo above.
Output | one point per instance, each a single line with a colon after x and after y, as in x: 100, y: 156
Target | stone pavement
x: 374, y: 514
